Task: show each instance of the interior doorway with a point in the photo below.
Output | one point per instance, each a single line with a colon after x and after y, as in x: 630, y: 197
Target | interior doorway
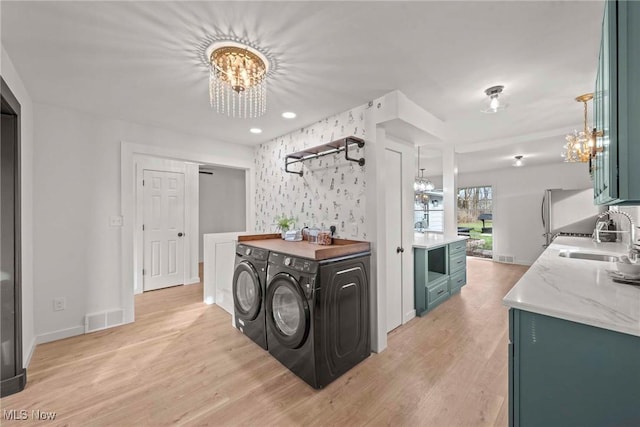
x: 13, y: 375
x: 475, y: 219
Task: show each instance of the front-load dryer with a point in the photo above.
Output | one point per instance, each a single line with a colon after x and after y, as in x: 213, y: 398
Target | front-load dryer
x: 318, y: 315
x: 249, y: 285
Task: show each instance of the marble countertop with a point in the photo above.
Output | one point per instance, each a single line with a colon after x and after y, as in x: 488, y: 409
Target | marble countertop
x: 431, y: 240
x: 578, y: 290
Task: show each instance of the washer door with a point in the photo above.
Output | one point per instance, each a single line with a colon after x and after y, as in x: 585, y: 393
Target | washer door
x: 288, y: 311
x: 247, y: 293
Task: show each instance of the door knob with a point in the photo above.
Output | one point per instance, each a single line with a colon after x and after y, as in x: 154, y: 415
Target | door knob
x: 399, y: 250
x: 180, y: 234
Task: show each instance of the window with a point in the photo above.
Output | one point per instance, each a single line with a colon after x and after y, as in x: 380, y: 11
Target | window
x: 475, y: 219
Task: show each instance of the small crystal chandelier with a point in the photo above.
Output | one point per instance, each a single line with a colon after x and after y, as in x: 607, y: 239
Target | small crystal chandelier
x: 579, y: 146
x: 237, y: 80
x: 422, y: 184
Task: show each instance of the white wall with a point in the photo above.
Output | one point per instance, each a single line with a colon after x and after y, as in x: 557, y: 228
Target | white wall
x: 13, y: 80
x: 222, y: 202
x: 76, y: 188
x: 517, y: 195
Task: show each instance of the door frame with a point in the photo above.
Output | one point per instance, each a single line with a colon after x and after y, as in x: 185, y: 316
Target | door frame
x: 16, y: 383
x: 129, y: 152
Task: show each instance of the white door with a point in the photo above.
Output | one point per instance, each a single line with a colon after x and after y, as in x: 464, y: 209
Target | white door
x: 163, y: 229
x: 394, y: 224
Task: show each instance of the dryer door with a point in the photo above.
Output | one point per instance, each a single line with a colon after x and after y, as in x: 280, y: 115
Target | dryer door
x: 247, y: 293
x: 288, y: 311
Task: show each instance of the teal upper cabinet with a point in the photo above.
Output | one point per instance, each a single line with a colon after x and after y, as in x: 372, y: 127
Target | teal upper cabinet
x: 616, y: 166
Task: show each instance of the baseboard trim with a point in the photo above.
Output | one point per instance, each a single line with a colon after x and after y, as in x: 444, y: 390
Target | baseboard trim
x: 59, y: 335
x: 193, y: 281
x: 30, y: 351
x: 408, y: 316
x: 14, y: 384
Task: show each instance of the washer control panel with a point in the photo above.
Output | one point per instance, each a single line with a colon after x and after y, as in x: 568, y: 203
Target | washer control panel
x: 298, y: 264
x: 255, y: 253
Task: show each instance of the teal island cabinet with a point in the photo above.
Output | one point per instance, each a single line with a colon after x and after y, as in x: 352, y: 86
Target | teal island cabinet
x: 440, y: 269
x: 615, y: 171
x: 574, y: 341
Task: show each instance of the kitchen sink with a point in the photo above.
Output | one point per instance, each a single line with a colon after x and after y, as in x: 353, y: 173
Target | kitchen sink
x: 589, y: 255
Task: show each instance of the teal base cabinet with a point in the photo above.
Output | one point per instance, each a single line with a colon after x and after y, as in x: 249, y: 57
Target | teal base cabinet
x: 615, y: 171
x: 563, y: 373
x: 439, y: 273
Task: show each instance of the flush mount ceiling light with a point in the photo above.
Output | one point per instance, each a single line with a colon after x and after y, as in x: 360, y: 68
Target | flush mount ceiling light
x: 495, y: 104
x: 518, y: 161
x: 422, y: 184
x: 580, y: 145
x: 237, y: 79
x: 289, y: 115
x: 255, y: 130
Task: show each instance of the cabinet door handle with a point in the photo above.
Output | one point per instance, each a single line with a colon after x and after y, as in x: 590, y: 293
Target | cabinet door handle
x: 399, y: 250
x: 441, y: 291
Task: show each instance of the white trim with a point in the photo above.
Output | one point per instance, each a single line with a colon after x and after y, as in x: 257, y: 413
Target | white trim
x: 27, y: 359
x: 127, y: 195
x: 193, y: 281
x: 211, y: 276
x: 60, y: 334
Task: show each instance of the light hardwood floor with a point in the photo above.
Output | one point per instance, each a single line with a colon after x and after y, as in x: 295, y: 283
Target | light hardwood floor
x: 181, y: 362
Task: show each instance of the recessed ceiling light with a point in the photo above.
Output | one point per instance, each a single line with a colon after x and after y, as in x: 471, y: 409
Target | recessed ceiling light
x: 518, y: 161
x: 289, y: 115
x: 255, y: 130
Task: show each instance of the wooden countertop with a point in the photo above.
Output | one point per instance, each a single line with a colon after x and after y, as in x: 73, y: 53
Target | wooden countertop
x: 304, y: 249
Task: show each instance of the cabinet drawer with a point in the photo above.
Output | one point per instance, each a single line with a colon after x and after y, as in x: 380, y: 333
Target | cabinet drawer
x: 457, y: 247
x: 457, y: 280
x: 437, y: 293
x: 457, y: 262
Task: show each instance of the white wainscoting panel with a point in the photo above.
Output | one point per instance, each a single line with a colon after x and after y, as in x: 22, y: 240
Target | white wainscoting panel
x: 219, y: 257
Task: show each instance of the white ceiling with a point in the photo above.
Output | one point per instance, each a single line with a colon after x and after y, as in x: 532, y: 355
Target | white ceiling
x: 139, y: 61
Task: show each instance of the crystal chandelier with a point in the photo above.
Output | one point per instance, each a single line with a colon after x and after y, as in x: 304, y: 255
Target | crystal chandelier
x: 422, y: 184
x: 579, y: 146
x: 237, y: 80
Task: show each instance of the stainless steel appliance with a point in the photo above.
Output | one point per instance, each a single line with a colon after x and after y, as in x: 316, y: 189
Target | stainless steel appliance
x: 569, y: 213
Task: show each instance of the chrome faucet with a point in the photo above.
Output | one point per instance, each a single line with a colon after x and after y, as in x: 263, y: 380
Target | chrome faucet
x: 633, y: 251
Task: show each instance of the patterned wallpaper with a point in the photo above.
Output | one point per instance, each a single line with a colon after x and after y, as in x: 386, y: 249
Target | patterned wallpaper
x: 332, y: 189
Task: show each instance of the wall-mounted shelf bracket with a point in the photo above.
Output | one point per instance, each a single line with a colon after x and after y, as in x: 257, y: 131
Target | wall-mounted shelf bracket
x: 325, y: 150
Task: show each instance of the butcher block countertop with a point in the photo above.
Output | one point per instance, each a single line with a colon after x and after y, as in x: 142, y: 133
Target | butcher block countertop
x: 304, y: 249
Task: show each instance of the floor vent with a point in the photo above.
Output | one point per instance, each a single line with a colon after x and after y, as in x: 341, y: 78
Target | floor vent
x: 509, y: 259
x: 106, y: 319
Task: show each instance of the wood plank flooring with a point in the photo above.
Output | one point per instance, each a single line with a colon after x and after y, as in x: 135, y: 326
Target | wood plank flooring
x: 182, y: 363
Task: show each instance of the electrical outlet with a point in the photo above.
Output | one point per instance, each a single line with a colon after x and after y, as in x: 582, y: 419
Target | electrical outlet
x: 59, y: 304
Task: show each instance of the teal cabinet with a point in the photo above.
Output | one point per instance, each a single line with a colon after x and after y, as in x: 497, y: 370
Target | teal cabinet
x: 439, y: 272
x: 615, y: 171
x: 563, y: 373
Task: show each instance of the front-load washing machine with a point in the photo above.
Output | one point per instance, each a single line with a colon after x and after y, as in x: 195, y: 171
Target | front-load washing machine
x: 249, y: 285
x: 318, y: 314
